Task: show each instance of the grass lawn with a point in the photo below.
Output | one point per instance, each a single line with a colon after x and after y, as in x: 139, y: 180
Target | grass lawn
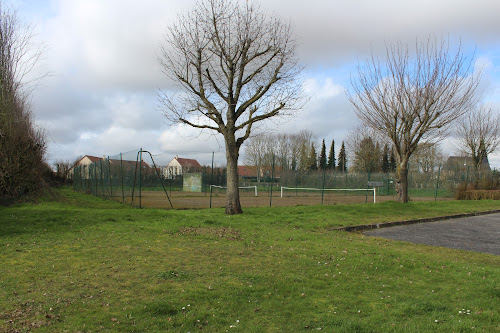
x: 79, y: 263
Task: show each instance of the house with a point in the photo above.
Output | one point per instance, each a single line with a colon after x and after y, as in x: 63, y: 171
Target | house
x: 178, y: 166
x: 87, y: 160
x: 84, y: 161
x: 462, y: 163
x: 254, y: 173
x: 247, y: 172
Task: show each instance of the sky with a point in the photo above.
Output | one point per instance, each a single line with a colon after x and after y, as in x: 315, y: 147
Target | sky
x: 99, y: 97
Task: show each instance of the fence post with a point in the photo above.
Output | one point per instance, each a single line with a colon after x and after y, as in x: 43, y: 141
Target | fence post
x: 437, y: 183
x: 95, y: 178
x: 110, y: 182
x: 367, y: 186
x: 323, y: 186
x: 140, y: 178
x: 121, y: 173
x: 83, y: 178
x: 210, y: 196
x: 211, y: 179
x: 272, y: 181
x: 388, y: 184
x: 102, y: 179
x: 297, y: 174
x: 171, y: 179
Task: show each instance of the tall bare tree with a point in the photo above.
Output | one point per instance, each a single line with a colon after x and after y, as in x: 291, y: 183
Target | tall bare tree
x: 426, y: 158
x: 479, y: 133
x: 22, y: 144
x: 236, y: 66
x: 410, y: 97
x: 255, y: 152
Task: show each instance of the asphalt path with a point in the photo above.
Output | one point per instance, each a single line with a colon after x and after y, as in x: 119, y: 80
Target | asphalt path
x: 475, y: 233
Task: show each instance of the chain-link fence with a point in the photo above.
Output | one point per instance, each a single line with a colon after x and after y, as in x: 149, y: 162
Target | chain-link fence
x: 166, y: 180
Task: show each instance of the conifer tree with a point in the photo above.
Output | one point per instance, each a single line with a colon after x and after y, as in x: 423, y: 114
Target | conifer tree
x: 331, y: 157
x: 313, y: 158
x: 322, y: 156
x: 342, y: 160
x: 385, y: 159
x: 392, y: 162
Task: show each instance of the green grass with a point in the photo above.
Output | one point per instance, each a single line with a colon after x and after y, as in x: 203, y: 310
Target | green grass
x: 83, y: 264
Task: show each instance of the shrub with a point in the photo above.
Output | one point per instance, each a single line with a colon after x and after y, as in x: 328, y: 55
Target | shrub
x: 22, y: 144
x: 485, y: 186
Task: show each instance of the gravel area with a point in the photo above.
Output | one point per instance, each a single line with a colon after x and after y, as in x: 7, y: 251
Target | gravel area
x: 475, y: 233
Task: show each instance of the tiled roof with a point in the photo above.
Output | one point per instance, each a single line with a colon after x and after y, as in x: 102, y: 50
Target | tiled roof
x: 188, y: 163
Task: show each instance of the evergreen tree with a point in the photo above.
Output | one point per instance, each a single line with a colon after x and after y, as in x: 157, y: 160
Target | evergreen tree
x: 322, y: 156
x: 331, y: 157
x: 342, y: 160
x: 313, y: 158
x: 385, y: 159
x: 367, y: 156
x: 392, y: 162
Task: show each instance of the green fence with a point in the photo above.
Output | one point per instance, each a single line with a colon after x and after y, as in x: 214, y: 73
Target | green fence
x: 141, y: 179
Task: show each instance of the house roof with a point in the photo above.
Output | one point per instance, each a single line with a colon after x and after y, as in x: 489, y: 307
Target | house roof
x: 265, y: 171
x: 94, y: 159
x: 129, y: 163
x: 188, y: 162
x: 458, y: 162
x: 91, y: 158
x: 247, y: 171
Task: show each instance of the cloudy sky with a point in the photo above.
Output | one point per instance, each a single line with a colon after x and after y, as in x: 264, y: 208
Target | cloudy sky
x: 100, y: 96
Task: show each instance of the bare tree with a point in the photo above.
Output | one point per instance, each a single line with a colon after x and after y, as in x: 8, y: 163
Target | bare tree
x: 410, y: 98
x: 301, y: 149
x: 479, y: 133
x: 282, y: 151
x: 426, y: 158
x: 22, y: 144
x: 236, y: 66
x: 255, y: 152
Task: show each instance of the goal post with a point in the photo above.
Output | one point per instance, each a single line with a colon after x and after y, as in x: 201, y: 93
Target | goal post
x: 331, y: 189
x: 240, y: 187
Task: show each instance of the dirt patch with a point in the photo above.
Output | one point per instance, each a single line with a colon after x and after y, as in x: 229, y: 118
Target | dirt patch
x: 212, y: 232
x: 187, y: 200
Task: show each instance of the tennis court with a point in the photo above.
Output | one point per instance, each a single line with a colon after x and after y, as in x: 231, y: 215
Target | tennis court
x: 193, y: 200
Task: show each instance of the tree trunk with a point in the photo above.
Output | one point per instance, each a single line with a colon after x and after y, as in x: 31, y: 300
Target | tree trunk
x: 233, y: 205
x: 402, y: 181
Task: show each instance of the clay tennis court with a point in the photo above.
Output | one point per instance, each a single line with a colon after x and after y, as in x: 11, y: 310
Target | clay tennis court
x: 190, y: 200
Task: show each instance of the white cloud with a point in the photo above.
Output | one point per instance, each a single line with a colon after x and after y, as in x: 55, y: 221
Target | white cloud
x: 109, y: 43
x: 102, y: 54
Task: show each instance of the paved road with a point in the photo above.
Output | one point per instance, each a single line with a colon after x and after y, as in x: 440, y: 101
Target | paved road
x: 476, y: 233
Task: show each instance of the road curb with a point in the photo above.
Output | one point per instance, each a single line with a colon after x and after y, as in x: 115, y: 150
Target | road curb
x: 363, y: 227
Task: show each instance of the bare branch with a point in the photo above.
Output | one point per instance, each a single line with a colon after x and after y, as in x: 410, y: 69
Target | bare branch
x: 236, y: 67
x: 479, y: 133
x: 414, y: 97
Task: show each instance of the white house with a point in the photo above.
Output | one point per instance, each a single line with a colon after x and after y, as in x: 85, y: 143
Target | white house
x: 177, y: 166
x: 84, y: 161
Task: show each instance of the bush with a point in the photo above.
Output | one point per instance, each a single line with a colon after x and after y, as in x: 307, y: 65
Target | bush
x: 22, y: 144
x: 485, y: 186
x: 481, y: 195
